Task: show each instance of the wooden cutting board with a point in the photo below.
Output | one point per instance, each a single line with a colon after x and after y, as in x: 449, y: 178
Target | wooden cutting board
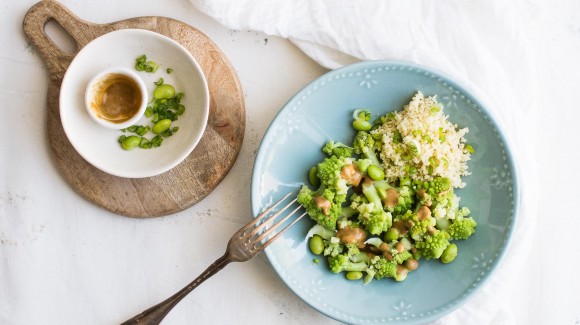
x: 187, y: 183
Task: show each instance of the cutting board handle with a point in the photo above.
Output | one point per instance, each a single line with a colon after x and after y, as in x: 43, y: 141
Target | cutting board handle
x: 81, y: 31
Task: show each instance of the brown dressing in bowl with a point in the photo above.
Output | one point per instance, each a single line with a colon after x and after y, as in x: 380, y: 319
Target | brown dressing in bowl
x: 116, y: 98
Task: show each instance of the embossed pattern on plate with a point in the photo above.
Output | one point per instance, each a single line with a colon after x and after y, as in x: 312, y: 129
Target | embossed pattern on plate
x: 323, y: 111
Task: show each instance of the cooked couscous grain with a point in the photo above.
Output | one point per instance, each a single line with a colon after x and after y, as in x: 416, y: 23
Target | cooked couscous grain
x: 420, y: 142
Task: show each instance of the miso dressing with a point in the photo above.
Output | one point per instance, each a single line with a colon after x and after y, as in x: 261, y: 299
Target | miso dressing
x: 117, y: 98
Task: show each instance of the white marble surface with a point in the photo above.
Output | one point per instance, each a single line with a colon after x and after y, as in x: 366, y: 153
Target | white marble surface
x: 65, y: 261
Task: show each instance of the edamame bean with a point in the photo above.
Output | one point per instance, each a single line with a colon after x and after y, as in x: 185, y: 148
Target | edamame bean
x: 164, y: 91
x: 354, y: 275
x: 361, y: 125
x: 130, y: 142
x: 312, y: 176
x: 316, y: 245
x: 449, y: 254
x: 161, y: 126
x: 375, y: 173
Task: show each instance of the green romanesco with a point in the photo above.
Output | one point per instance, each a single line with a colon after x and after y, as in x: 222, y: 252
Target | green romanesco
x: 363, y: 164
x: 462, y: 228
x: 333, y: 247
x: 383, y: 268
x: 404, y: 194
x: 401, y: 257
x: 338, y: 149
x: 433, y: 246
x: 342, y: 263
x: 329, y: 174
x: 420, y: 227
x: 310, y: 200
x: 364, y: 144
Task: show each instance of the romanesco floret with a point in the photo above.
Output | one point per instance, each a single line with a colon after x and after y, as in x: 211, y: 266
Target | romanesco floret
x: 405, y: 197
x: 401, y: 257
x: 462, y: 228
x: 438, y: 186
x: 405, y: 201
x: 329, y: 174
x: 333, y: 247
x: 420, y: 227
x: 433, y: 246
x: 446, y: 206
x: 376, y: 221
x: 364, y: 144
x: 342, y: 263
x: 308, y: 199
x: 363, y: 164
x: 383, y: 268
x: 337, y: 149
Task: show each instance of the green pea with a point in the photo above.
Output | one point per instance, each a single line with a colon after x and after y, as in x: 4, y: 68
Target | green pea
x: 449, y: 254
x: 130, y: 142
x: 312, y: 176
x: 164, y: 91
x: 316, y: 245
x: 361, y: 125
x: 354, y: 275
x: 376, y: 173
x: 161, y: 126
x: 391, y: 234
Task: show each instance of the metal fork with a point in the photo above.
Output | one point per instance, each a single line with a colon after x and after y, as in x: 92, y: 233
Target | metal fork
x: 244, y: 244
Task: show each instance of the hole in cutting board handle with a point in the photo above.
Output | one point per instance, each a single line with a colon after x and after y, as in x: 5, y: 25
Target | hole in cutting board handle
x: 60, y: 37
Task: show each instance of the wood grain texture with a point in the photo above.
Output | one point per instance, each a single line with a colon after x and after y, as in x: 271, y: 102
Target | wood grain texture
x: 187, y: 183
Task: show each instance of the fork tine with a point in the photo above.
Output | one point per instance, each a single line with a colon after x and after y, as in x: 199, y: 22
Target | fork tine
x: 266, y: 244
x: 274, y: 216
x: 275, y: 226
x: 263, y: 214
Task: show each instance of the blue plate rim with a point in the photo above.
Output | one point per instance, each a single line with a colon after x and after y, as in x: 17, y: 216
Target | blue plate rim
x: 494, y: 122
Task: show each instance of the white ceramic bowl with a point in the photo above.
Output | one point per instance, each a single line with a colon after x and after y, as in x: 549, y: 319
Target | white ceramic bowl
x: 99, y: 145
x: 95, y: 87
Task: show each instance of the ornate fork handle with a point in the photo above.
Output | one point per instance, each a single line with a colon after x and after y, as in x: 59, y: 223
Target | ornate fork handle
x: 155, y: 314
x: 246, y: 243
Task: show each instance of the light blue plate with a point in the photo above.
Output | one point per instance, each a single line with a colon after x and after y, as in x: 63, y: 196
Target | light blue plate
x: 323, y: 111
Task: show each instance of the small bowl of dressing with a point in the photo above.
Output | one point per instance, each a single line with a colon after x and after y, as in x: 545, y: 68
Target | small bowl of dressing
x: 116, y: 98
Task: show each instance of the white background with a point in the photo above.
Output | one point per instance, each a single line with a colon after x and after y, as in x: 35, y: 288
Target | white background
x: 64, y: 260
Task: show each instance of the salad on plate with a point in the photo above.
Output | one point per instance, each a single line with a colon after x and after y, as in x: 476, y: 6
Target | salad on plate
x: 385, y: 201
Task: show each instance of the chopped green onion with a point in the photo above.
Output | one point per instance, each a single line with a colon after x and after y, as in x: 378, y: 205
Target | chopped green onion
x: 361, y: 119
x: 159, y: 82
x: 413, y: 147
x: 397, y: 137
x: 442, y: 136
x: 169, y: 70
x: 141, y: 64
x: 469, y: 148
x: 433, y: 161
x: 151, y: 66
